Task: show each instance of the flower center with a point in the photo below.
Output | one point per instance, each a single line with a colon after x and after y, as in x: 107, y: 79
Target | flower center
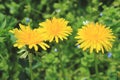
x: 55, y: 30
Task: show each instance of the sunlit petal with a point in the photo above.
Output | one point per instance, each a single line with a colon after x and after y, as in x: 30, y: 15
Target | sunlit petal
x: 56, y: 28
x: 25, y: 36
x: 95, y: 37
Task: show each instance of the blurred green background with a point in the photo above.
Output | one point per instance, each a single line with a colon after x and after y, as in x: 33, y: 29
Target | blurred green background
x: 78, y: 65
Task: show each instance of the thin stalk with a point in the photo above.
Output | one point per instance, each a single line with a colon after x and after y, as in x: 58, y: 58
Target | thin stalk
x: 62, y: 66
x: 96, y: 66
x: 61, y: 63
x: 30, y: 65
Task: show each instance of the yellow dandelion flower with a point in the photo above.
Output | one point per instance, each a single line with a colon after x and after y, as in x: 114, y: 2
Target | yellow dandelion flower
x: 55, y: 29
x: 95, y: 37
x: 26, y: 36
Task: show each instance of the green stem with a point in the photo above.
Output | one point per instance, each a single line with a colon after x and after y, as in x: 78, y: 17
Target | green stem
x: 30, y: 65
x: 62, y: 66
x: 61, y: 63
x: 96, y: 66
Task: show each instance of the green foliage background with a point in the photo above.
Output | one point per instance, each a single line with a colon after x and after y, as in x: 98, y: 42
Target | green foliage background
x: 78, y: 65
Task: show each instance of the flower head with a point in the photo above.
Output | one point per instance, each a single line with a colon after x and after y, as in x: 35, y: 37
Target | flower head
x: 55, y: 29
x: 95, y: 37
x: 26, y: 36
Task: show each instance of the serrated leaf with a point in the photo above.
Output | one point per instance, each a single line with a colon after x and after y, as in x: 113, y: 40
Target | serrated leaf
x: 2, y: 39
x: 3, y: 24
x: 84, y: 62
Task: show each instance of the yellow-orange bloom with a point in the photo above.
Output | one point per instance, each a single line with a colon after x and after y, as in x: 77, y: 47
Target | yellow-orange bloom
x: 95, y: 37
x: 55, y: 29
x: 26, y: 36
